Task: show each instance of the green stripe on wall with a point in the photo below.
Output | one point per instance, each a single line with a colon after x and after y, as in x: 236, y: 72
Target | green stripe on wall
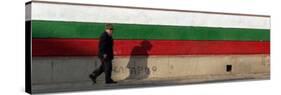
x: 62, y: 29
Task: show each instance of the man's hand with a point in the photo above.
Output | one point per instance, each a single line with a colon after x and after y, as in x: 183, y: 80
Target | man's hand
x: 104, y: 56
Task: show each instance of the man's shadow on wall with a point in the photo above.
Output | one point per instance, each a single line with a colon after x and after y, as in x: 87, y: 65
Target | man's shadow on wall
x: 137, y: 64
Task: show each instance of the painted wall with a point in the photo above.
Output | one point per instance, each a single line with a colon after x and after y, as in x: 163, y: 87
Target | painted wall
x: 176, y: 43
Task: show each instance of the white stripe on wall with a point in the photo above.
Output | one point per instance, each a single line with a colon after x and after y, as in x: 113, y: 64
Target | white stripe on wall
x: 81, y: 13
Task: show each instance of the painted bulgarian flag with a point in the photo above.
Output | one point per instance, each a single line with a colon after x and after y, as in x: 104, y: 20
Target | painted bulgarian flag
x: 64, y: 30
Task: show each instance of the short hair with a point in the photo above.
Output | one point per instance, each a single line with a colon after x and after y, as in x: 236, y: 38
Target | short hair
x: 108, y: 26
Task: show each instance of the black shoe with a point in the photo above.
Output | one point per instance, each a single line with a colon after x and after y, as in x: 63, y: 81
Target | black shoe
x: 93, y: 78
x: 111, y: 82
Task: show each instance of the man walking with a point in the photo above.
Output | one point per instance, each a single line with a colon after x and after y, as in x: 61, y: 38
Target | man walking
x: 105, y: 55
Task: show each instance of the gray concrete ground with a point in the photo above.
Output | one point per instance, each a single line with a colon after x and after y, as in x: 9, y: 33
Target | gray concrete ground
x: 100, y: 85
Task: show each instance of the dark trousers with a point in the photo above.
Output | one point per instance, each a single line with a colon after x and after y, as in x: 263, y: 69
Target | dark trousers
x: 106, y: 67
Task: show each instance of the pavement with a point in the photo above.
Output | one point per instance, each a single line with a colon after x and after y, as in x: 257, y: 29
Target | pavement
x: 152, y: 82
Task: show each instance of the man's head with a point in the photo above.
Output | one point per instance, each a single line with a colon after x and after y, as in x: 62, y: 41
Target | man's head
x: 109, y: 28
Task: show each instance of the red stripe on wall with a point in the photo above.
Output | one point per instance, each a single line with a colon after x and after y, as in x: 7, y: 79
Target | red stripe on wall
x: 89, y: 47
